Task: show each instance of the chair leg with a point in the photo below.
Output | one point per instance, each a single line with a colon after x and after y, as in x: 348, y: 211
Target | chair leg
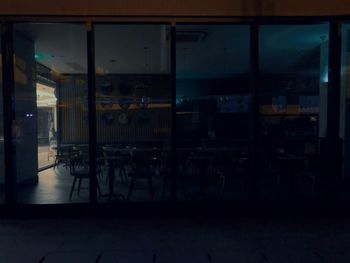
x: 121, y: 174
x: 125, y: 175
x: 72, y: 189
x: 130, y: 188
x: 107, y: 179
x: 79, y: 185
x: 55, y: 163
x: 222, y: 180
x: 98, y: 189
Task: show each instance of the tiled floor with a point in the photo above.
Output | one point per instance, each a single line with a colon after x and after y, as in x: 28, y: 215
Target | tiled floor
x: 176, y: 240
x: 55, y: 184
x: 54, y: 187
x: 45, y: 157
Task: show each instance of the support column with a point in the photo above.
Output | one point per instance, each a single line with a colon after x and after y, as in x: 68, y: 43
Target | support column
x: 330, y: 143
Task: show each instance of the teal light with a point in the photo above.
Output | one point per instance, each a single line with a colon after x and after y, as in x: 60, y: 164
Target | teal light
x: 38, y: 56
x: 325, y: 76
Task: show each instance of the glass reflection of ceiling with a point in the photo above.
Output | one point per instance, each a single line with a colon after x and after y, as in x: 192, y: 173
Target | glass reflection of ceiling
x: 138, y: 49
x: 292, y: 48
x: 219, y: 51
x: 58, y: 46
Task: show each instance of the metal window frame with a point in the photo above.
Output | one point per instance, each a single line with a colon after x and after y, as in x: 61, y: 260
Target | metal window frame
x: 254, y: 22
x: 8, y: 95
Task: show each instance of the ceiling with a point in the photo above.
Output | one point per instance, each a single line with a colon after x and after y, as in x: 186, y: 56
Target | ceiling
x: 205, y: 50
x: 58, y: 45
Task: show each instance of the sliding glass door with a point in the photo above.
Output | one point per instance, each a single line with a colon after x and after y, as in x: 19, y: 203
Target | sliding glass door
x: 2, y: 153
x: 133, y: 111
x: 213, y: 106
x: 292, y: 90
x: 50, y: 126
x: 345, y: 109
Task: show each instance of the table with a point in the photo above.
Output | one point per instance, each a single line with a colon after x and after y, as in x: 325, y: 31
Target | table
x: 112, y: 160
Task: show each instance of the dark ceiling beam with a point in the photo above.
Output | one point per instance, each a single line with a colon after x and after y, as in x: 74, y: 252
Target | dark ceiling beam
x: 198, y: 8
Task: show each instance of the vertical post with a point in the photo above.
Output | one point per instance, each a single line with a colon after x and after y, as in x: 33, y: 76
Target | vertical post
x: 8, y: 94
x: 173, y: 110
x: 333, y: 145
x: 92, y: 111
x: 254, y: 117
x: 59, y: 114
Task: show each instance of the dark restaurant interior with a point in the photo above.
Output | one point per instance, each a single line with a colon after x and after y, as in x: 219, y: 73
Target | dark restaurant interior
x: 212, y: 137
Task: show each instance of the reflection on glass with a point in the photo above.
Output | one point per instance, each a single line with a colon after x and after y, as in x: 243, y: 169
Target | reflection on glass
x: 212, y: 111
x: 133, y: 111
x: 293, y: 109
x: 50, y: 102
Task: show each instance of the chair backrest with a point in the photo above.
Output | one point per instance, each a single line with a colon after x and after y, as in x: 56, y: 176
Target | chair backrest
x: 77, y: 161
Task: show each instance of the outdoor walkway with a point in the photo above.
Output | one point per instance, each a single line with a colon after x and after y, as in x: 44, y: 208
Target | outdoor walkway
x: 122, y: 240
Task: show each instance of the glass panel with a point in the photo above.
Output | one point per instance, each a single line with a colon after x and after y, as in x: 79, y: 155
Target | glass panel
x: 50, y: 101
x: 2, y: 174
x: 46, y: 101
x: 133, y: 111
x: 344, y: 107
x: 293, y: 109
x: 212, y: 111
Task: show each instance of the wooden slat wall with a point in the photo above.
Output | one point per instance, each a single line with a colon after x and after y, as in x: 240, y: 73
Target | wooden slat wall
x: 176, y: 7
x: 74, y: 126
x: 157, y: 129
x: 73, y: 92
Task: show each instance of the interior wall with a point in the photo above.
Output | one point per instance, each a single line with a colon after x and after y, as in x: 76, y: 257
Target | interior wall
x: 73, y: 106
x: 72, y: 91
x: 176, y: 7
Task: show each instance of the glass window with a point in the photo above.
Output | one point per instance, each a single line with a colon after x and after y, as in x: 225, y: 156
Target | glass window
x: 293, y: 109
x: 2, y: 174
x: 345, y: 103
x: 133, y: 111
x: 213, y: 106
x: 50, y: 106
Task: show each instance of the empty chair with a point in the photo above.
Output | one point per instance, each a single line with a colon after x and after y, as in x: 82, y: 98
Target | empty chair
x: 79, y: 169
x: 141, y: 169
x: 63, y: 154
